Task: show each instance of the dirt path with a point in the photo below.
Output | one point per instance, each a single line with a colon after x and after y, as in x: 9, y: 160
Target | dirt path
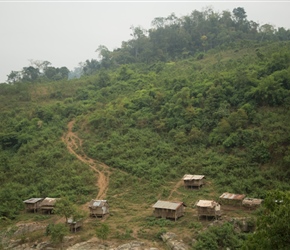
x: 74, y: 146
x: 177, y: 185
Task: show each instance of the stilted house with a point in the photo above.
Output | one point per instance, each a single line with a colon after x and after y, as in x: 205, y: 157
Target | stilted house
x: 208, y: 208
x: 48, y: 204
x: 232, y: 199
x: 99, y: 208
x: 193, y: 181
x: 74, y: 224
x: 252, y: 203
x: 32, y: 204
x: 167, y: 209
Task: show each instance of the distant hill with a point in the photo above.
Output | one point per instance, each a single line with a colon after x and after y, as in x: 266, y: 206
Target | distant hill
x: 218, y: 107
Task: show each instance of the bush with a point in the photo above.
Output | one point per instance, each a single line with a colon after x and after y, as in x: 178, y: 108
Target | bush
x: 218, y: 237
x: 103, y: 231
x: 200, y: 56
x: 57, y: 232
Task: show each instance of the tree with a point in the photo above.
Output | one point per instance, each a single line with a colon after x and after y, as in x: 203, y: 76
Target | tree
x: 104, y: 55
x: 283, y: 34
x: 66, y: 208
x: 266, y: 31
x: 14, y: 76
x: 158, y: 22
x: 91, y: 66
x: 239, y: 14
x: 138, y: 34
x: 63, y: 71
x: 30, y: 74
x: 50, y: 72
x: 273, y: 228
x: 41, y: 65
x: 57, y: 232
x: 267, y: 28
x: 53, y: 73
x: 218, y: 237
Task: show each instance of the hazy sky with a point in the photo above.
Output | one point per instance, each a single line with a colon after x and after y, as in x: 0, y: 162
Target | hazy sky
x: 66, y: 33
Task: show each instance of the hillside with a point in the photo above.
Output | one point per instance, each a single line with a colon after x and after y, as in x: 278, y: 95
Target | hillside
x: 128, y: 133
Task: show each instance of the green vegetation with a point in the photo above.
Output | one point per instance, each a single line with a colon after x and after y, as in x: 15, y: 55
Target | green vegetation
x: 219, y: 237
x: 210, y: 97
x: 272, y: 226
x: 57, y: 232
x: 211, y: 120
x: 38, y: 72
x: 66, y: 208
x: 103, y: 231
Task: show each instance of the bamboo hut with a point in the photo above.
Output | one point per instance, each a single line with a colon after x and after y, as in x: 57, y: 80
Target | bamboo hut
x: 208, y: 208
x: 167, y: 209
x: 232, y: 199
x: 99, y: 208
x: 193, y: 181
x: 251, y: 203
x: 32, y: 204
x: 74, y: 224
x: 48, y: 204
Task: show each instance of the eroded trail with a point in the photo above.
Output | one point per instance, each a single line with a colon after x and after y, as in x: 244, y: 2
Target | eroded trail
x: 74, y: 145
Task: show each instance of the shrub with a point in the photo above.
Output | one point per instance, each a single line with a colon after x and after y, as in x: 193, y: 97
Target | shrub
x: 57, y: 232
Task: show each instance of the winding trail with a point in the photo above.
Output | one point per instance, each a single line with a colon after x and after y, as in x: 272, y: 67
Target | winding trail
x: 177, y: 185
x: 74, y: 146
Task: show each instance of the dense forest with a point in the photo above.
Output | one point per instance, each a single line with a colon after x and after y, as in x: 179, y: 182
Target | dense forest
x: 170, y: 38
x: 207, y: 93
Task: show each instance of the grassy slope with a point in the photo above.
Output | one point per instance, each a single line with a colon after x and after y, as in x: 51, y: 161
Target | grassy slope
x: 132, y: 192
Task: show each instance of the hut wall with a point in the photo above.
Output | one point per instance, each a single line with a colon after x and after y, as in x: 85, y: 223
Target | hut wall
x: 168, y: 213
x: 251, y: 203
x: 96, y: 211
x: 231, y: 202
x: 46, y: 209
x: 158, y: 212
x: 164, y: 213
x: 75, y: 225
x: 30, y: 206
x: 99, y: 211
x: 193, y: 183
x: 180, y: 211
x: 208, y: 211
